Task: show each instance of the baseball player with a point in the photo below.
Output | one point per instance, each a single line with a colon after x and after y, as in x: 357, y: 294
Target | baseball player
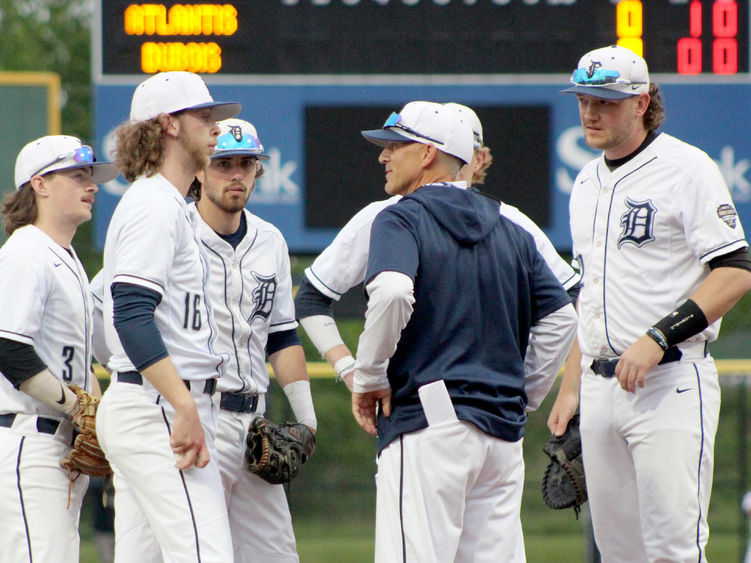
x: 453, y: 290
x: 663, y: 257
x: 341, y: 266
x: 156, y: 421
x: 45, y: 344
x: 251, y: 294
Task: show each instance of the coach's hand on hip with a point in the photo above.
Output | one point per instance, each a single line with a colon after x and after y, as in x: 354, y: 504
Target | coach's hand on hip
x: 365, y: 408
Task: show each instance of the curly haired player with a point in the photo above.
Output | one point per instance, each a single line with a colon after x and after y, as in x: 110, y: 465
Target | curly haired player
x: 45, y: 344
x: 663, y: 257
x: 156, y: 421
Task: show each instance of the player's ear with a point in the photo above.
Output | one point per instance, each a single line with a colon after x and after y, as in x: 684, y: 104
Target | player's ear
x: 642, y: 103
x: 39, y: 185
x: 170, y: 124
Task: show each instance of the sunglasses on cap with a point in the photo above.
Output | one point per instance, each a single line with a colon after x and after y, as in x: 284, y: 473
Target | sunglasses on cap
x: 600, y: 77
x: 82, y: 155
x: 229, y: 141
x: 395, y: 120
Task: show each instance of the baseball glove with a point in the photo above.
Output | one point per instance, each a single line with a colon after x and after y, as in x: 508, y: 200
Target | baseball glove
x: 86, y: 456
x: 563, y: 484
x: 276, y: 452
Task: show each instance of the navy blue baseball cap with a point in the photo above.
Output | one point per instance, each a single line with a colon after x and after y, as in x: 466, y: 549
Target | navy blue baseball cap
x: 611, y: 73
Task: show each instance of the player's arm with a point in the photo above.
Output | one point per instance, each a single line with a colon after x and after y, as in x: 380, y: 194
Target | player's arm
x: 287, y: 359
x: 314, y: 312
x: 567, y: 399
x: 22, y: 366
x: 99, y: 347
x: 728, y: 281
x: 133, y: 315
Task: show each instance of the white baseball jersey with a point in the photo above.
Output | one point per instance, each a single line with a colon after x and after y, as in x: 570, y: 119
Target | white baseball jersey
x: 44, y: 291
x: 161, y: 511
x: 46, y: 304
x: 151, y: 243
x: 251, y: 297
x: 341, y: 266
x: 643, y: 235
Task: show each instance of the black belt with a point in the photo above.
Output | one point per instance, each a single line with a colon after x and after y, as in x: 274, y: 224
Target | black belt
x: 606, y: 368
x: 45, y: 425
x: 237, y: 402
x: 136, y: 378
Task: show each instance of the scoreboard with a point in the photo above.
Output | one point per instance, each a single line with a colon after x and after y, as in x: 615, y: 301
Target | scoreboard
x: 283, y: 37
x: 312, y: 73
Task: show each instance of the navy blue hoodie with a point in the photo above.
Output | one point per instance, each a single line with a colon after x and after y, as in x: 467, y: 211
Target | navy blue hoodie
x: 480, y: 284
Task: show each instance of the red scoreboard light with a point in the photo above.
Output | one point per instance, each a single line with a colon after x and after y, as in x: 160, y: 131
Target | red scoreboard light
x: 414, y: 37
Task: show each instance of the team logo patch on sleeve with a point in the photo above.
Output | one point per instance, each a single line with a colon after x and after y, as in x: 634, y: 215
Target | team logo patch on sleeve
x: 638, y: 223
x: 727, y: 213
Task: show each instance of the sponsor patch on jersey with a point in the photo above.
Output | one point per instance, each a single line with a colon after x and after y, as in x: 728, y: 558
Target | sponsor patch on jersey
x: 727, y: 213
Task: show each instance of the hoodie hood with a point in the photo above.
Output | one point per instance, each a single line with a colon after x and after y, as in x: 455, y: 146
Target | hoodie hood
x: 466, y: 214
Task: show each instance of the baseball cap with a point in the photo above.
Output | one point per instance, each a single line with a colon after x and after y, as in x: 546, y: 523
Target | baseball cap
x: 238, y: 137
x: 474, y: 121
x: 427, y: 123
x: 612, y: 73
x: 59, y: 152
x: 168, y: 92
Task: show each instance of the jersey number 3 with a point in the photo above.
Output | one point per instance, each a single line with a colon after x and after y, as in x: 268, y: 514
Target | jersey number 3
x: 192, y: 318
x: 68, y: 352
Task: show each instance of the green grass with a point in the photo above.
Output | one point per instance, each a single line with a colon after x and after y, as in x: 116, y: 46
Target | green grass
x: 353, y: 543
x: 333, y: 499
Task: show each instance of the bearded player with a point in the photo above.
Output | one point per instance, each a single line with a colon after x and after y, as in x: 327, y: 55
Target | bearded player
x: 251, y: 295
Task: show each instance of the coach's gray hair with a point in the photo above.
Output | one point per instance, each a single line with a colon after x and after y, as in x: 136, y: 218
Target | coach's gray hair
x: 452, y: 163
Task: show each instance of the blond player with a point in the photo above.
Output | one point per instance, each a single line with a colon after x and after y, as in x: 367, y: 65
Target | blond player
x: 156, y: 421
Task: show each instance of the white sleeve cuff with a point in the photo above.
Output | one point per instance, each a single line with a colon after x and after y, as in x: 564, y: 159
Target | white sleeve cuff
x: 322, y: 331
x: 301, y: 401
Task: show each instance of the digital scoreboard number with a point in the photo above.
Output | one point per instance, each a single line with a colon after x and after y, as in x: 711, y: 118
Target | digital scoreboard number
x: 434, y: 37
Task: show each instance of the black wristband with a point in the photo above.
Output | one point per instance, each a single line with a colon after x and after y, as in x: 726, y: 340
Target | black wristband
x: 683, y: 323
x: 656, y: 335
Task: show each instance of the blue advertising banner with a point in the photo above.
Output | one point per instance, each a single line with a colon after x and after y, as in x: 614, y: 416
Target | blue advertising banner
x: 714, y: 117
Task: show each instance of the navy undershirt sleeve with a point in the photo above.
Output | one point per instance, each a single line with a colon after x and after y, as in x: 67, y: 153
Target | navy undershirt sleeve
x: 133, y: 312
x: 281, y: 340
x: 736, y: 259
x: 19, y: 361
x: 309, y: 301
x: 573, y: 292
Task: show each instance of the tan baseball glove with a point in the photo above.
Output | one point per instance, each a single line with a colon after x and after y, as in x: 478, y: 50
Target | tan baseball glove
x: 86, y: 456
